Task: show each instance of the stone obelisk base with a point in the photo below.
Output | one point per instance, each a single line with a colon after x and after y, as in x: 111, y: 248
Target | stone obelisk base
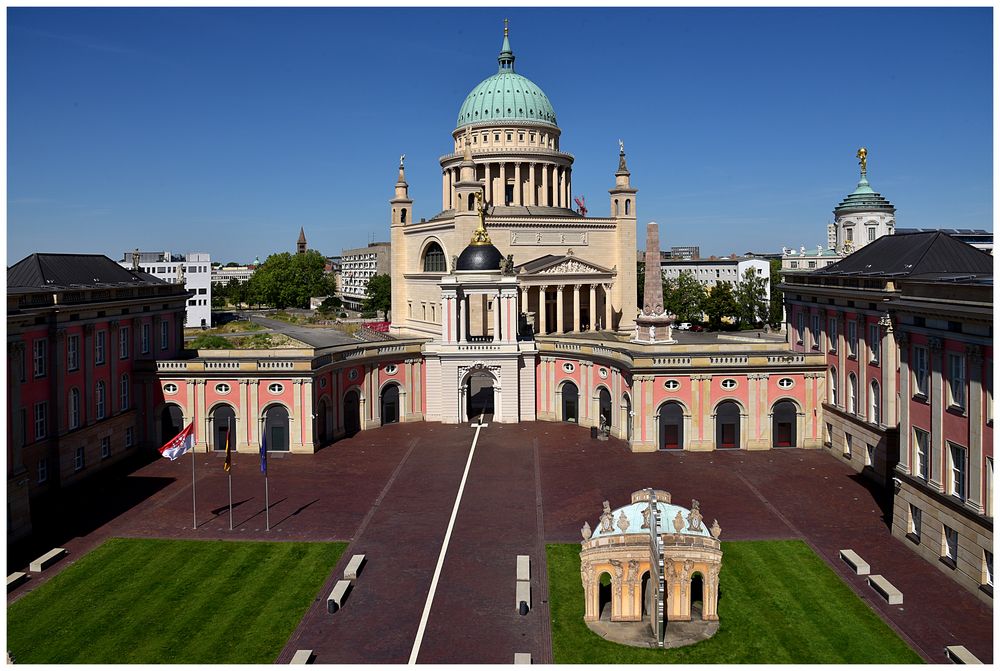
x: 654, y: 330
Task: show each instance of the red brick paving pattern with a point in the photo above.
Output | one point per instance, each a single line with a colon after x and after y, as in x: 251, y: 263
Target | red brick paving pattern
x: 390, y: 491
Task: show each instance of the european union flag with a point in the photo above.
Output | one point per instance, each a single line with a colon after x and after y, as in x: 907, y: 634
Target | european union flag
x: 263, y: 453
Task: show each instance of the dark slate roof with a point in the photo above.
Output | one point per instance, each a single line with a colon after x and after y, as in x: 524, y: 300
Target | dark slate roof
x: 931, y: 255
x: 41, y: 271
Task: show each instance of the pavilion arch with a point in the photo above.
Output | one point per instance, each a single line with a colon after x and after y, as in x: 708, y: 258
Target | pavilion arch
x: 729, y: 420
x: 171, y: 416
x: 352, y: 405
x: 324, y: 419
x: 223, y: 422
x: 391, y: 396
x: 625, y: 428
x: 479, y: 393
x: 787, y: 421
x: 696, y: 594
x: 568, y: 401
x: 601, y: 404
x: 673, y: 423
x: 275, y: 424
x: 431, y: 246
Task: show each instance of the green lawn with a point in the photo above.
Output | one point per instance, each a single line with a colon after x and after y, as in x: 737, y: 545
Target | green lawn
x: 163, y: 601
x: 778, y: 603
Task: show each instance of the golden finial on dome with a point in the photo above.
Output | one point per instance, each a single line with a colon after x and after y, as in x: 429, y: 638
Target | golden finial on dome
x: 863, y: 157
x: 480, y: 236
x: 505, y: 27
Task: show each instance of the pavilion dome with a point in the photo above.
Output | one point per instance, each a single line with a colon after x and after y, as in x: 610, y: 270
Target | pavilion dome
x: 633, y: 513
x: 864, y: 199
x: 479, y: 257
x: 506, y: 96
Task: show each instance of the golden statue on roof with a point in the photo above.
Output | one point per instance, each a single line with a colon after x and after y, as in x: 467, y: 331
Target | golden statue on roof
x: 480, y: 236
x: 863, y: 158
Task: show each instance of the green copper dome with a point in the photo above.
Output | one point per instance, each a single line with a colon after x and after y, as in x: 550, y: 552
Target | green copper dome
x: 864, y: 199
x: 506, y: 96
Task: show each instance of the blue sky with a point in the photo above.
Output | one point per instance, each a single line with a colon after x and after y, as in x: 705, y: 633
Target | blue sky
x: 225, y: 130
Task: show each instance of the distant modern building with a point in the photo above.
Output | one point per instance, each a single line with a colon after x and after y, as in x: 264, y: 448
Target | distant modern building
x: 193, y: 270
x: 808, y: 259
x: 977, y: 237
x: 357, y: 267
x: 711, y: 271
x: 692, y: 252
x: 83, y: 338
x: 223, y: 275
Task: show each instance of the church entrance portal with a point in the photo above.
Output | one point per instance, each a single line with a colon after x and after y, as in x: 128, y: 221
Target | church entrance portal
x: 479, y: 396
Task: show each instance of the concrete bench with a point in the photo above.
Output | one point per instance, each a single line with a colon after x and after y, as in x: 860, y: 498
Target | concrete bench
x: 522, y: 593
x: 354, y: 567
x: 523, y: 567
x: 959, y: 654
x: 302, y: 657
x: 859, y: 565
x: 522, y: 658
x: 15, y: 579
x: 47, y: 559
x: 886, y: 589
x: 337, y: 597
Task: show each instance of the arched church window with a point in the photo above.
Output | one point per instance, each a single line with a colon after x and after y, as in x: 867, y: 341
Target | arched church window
x: 472, y: 198
x: 402, y: 216
x: 434, y: 261
x: 628, y: 202
x: 616, y: 207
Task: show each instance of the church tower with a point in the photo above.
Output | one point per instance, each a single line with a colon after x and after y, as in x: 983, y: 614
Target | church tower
x: 401, y: 215
x: 301, y: 246
x: 623, y: 211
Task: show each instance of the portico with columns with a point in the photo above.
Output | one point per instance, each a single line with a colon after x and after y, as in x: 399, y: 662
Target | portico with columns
x: 563, y: 294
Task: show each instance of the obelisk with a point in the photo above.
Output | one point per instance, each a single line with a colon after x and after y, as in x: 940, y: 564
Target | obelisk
x: 653, y: 326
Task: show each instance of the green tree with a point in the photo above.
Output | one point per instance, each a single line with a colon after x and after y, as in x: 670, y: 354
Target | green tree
x: 232, y: 264
x: 640, y: 283
x: 289, y: 280
x: 685, y: 297
x: 720, y: 303
x: 776, y: 309
x: 209, y: 341
x: 379, y: 295
x: 751, y: 299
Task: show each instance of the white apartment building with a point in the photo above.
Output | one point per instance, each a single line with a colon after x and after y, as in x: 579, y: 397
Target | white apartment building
x: 357, y: 266
x: 709, y: 272
x: 194, y: 270
x: 241, y: 274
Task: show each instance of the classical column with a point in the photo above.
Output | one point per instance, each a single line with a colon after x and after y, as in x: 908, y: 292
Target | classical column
x: 569, y: 188
x: 524, y: 302
x: 545, y: 184
x: 974, y: 354
x: 460, y: 310
x: 453, y: 177
x: 936, y: 450
x: 296, y: 413
x: 496, y: 317
x: 518, y: 188
x: 445, y: 190
x: 503, y: 183
x: 557, y: 185
x: 533, y: 198
x: 841, y: 360
x: 607, y: 307
x: 905, y: 446
x: 559, y: 308
x: 576, y: 308
x: 542, y: 291
x: 488, y: 181
x: 890, y: 359
x: 592, y: 315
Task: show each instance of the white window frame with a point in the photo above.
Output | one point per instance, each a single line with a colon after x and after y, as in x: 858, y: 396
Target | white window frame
x: 73, y: 352
x: 834, y: 391
x: 869, y: 454
x: 74, y: 408
x: 874, y: 342
x: 958, y: 471
x: 123, y: 342
x: 164, y: 334
x: 831, y: 324
x: 921, y: 453
x: 38, y: 357
x: 989, y: 493
x: 800, y: 331
x: 129, y: 437
x: 848, y: 445
x: 100, y: 343
x: 949, y: 543
x: 852, y: 393
x: 105, y: 447
x: 43, y: 470
x: 79, y: 459
x: 123, y: 392
x: 100, y: 400
x: 875, y: 403
x: 814, y: 319
x: 915, y: 521
x: 144, y: 338
x: 987, y: 568
x: 921, y: 360
x: 956, y: 380
x: 852, y: 338
x: 41, y: 419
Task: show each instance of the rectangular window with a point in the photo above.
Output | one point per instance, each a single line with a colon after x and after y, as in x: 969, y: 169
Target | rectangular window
x: 874, y: 342
x: 41, y: 419
x: 832, y: 329
x: 829, y: 433
x: 988, y: 502
x: 164, y: 334
x: 144, y: 338
x: 850, y: 234
x: 956, y: 380
x: 74, y: 409
x: 921, y: 452
x: 129, y: 437
x: 801, y: 324
x: 79, y: 461
x: 871, y: 235
x: 123, y: 393
x: 987, y: 568
x: 99, y: 343
x: 123, y: 342
x: 815, y: 331
x: 852, y: 338
x: 43, y: 470
x: 914, y: 522
x: 105, y: 447
x: 958, y: 468
x: 73, y: 352
x: 848, y: 445
x: 869, y: 454
x: 920, y: 359
x: 39, y: 349
x: 949, y: 549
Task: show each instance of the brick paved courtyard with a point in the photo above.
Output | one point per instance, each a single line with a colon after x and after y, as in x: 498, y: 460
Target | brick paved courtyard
x: 390, y: 492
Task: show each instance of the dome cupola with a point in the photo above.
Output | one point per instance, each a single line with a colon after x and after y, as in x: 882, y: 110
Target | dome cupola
x: 864, y: 198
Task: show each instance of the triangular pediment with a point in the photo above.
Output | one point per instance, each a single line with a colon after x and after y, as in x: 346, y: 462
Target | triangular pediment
x: 561, y: 265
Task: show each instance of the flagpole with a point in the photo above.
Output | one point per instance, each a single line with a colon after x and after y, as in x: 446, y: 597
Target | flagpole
x: 229, y: 437
x: 194, y: 509
x: 267, y: 505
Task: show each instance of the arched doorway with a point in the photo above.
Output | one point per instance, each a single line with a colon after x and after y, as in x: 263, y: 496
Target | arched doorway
x: 276, y: 428
x: 783, y: 418
x: 671, y: 426
x: 604, y: 596
x: 604, y: 408
x: 171, y: 422
x: 697, y: 597
x: 647, y: 595
x: 352, y: 412
x: 570, y: 403
x: 628, y: 417
x: 223, y: 426
x: 727, y: 426
x: 479, y: 395
x: 323, y: 421
x: 389, y: 404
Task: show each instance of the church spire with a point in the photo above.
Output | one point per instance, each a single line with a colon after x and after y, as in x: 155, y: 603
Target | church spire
x: 506, y: 58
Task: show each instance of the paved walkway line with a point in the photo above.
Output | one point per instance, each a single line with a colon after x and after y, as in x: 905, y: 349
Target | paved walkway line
x: 444, y: 550
x: 381, y: 495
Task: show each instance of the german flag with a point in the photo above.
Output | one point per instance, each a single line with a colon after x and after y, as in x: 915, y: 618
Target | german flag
x: 229, y: 454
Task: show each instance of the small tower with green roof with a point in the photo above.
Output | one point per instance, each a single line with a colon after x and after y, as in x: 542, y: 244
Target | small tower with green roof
x: 864, y: 215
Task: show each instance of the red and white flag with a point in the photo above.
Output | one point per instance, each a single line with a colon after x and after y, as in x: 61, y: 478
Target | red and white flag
x: 179, y: 444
